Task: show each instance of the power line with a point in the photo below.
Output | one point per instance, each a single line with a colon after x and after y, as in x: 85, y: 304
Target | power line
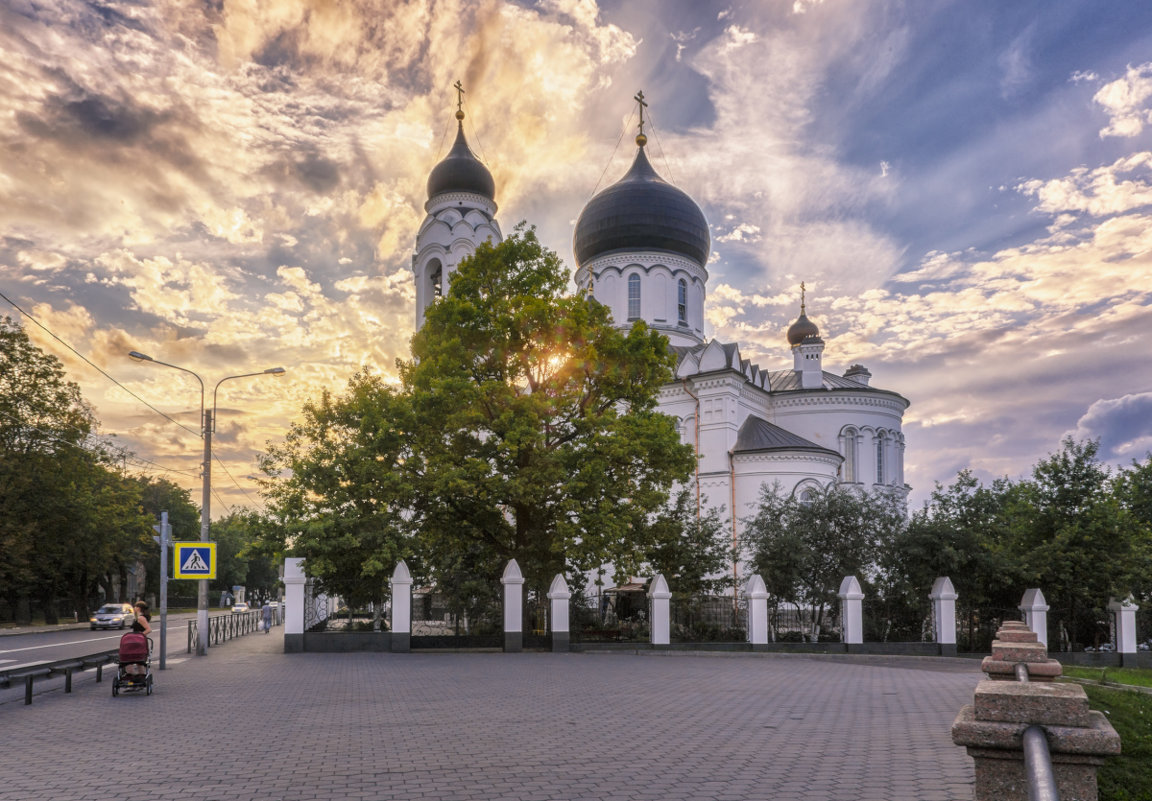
x: 95, y: 367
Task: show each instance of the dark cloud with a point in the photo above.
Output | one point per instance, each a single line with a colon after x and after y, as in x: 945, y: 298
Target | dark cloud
x: 312, y: 171
x: 90, y: 117
x: 1123, y: 426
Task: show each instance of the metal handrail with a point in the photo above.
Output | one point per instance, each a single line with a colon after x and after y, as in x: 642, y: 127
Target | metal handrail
x: 222, y: 628
x: 1037, y: 757
x: 43, y: 670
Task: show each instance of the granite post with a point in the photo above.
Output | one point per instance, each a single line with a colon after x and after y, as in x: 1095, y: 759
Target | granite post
x: 992, y: 727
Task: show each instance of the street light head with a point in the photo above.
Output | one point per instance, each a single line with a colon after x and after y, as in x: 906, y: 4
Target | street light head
x: 275, y: 371
x: 140, y: 357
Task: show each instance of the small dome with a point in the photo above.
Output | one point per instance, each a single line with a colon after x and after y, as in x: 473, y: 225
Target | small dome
x: 642, y: 211
x: 460, y: 171
x: 801, y: 330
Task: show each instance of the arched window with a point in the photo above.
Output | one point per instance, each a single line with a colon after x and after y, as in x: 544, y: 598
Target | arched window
x: 848, y: 469
x: 805, y: 498
x: 682, y: 302
x: 880, y: 459
x: 634, y: 296
x: 435, y: 280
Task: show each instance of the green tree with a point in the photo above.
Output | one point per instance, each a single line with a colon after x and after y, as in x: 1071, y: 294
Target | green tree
x: 69, y: 520
x: 1076, y: 540
x: 803, y: 549
x: 338, y: 491
x: 961, y: 532
x: 534, y: 429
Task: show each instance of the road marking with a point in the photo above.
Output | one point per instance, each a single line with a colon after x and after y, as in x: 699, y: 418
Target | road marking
x: 81, y: 642
x: 2, y: 661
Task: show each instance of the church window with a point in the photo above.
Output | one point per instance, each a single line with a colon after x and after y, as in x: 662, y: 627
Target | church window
x: 435, y: 280
x: 880, y: 459
x: 634, y: 297
x: 806, y: 498
x: 682, y: 302
x: 849, y: 467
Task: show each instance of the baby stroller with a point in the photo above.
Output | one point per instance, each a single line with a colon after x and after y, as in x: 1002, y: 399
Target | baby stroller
x: 135, y: 649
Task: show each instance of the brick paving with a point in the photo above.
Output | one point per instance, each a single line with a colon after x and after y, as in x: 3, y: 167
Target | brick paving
x: 249, y: 723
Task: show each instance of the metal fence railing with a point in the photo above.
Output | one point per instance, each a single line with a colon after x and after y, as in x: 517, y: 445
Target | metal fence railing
x: 226, y: 627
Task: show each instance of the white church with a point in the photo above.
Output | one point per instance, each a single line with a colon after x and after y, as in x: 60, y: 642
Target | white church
x: 641, y: 248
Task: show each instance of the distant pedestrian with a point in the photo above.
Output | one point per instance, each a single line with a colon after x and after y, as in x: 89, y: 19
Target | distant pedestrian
x: 266, y: 613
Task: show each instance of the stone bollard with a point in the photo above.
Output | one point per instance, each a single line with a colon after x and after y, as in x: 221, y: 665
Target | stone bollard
x: 851, y: 611
x: 401, y: 581
x: 943, y: 597
x: 1035, y: 610
x: 559, y: 597
x: 992, y: 728
x: 513, y: 581
x: 1124, y: 622
x: 294, y: 580
x: 659, y: 611
x: 757, y: 595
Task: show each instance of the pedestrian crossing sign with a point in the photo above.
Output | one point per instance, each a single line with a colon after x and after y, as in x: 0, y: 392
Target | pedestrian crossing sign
x: 194, y: 560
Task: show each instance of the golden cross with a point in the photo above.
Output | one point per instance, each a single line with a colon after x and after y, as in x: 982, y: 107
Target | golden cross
x: 801, y: 297
x: 459, y: 96
x: 639, y: 98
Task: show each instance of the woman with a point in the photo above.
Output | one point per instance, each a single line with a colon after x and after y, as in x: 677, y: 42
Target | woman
x: 140, y: 625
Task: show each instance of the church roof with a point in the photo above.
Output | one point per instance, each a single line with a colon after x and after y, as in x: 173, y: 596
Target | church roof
x: 757, y: 434
x: 641, y: 212
x: 461, y: 171
x: 715, y: 356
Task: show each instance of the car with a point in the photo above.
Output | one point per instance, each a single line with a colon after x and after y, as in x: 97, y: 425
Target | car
x: 111, y: 616
x: 239, y: 607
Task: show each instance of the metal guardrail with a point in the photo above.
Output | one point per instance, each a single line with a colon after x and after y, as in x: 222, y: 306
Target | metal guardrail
x: 1037, y: 757
x: 226, y: 627
x: 66, y: 667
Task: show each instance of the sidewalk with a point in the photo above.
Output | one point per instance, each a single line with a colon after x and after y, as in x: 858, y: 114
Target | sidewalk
x: 249, y: 723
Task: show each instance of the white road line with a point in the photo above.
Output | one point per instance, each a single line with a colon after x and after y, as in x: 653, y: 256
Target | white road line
x: 2, y: 661
x: 155, y: 633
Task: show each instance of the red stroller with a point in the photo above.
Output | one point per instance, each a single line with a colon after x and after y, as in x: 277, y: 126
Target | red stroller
x: 135, y: 649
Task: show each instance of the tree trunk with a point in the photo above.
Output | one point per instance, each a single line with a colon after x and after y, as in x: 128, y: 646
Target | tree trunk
x: 48, y: 605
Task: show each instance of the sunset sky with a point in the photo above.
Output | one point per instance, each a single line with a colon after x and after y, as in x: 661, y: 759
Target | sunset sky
x: 232, y: 185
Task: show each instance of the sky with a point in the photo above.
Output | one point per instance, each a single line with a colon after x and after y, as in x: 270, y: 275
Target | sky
x: 964, y: 187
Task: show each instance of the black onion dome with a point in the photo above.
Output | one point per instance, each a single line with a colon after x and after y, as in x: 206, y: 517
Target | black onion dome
x: 642, y: 211
x: 460, y: 171
x: 801, y: 330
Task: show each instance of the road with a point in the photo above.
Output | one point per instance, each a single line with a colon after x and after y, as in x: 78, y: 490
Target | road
x: 22, y: 650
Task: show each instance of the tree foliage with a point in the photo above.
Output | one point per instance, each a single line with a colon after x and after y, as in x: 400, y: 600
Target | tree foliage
x: 70, y: 521
x: 804, y: 549
x: 525, y: 427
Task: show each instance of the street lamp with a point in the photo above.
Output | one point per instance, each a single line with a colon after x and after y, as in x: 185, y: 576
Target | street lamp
x: 207, y: 426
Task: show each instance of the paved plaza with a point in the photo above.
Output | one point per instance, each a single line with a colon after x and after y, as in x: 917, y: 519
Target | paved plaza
x: 249, y: 723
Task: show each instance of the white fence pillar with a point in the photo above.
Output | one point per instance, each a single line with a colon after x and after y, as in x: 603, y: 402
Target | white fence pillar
x: 558, y: 598
x: 851, y: 610
x: 513, y: 581
x: 659, y: 611
x: 1124, y: 619
x: 294, y: 579
x: 757, y: 595
x: 401, y: 625
x: 1036, y: 614
x: 943, y: 598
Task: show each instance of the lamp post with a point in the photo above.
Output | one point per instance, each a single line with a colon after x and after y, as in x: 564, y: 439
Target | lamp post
x: 207, y: 426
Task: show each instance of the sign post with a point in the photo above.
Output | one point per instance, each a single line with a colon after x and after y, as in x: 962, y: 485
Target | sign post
x: 165, y: 539
x: 197, y: 560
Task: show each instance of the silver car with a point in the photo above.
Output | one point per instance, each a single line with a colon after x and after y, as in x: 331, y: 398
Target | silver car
x: 111, y: 616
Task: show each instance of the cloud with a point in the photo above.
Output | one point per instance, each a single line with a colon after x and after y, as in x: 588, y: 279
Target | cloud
x: 1122, y: 425
x: 1125, y: 100
x: 1122, y: 186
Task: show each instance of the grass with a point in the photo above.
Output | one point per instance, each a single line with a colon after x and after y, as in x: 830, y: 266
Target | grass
x: 1127, y: 777
x: 1137, y: 676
